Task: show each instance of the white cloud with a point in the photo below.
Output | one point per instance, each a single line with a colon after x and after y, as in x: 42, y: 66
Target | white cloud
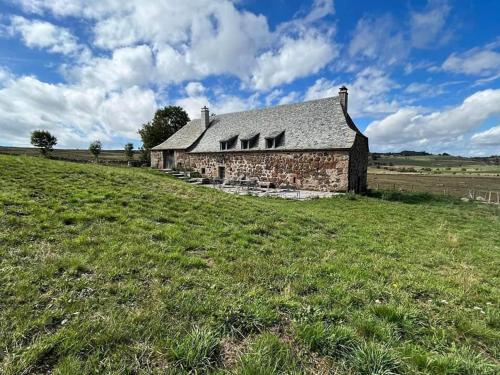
x: 367, y: 93
x: 194, y: 88
x: 42, y: 34
x: 428, y: 26
x: 295, y: 58
x: 413, y: 126
x: 207, y: 37
x: 379, y: 39
x: 488, y: 137
x: 477, y: 61
x: 128, y: 66
x: 75, y: 114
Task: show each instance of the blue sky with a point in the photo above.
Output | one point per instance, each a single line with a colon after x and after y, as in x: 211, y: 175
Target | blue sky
x: 422, y: 75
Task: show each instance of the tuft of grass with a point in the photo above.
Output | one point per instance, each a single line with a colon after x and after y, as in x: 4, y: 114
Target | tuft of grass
x: 196, y: 352
x: 333, y: 341
x: 267, y: 355
x: 374, y: 359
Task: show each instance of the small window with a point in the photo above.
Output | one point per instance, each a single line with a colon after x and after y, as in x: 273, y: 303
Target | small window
x: 202, y: 170
x: 228, y: 143
x: 275, y: 140
x: 250, y: 142
x: 253, y: 142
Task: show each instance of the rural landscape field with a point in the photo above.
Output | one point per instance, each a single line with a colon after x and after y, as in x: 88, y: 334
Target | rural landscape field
x: 126, y: 270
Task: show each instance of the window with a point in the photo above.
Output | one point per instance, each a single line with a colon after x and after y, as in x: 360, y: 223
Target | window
x: 250, y: 142
x: 228, y: 143
x: 202, y: 170
x: 276, y: 139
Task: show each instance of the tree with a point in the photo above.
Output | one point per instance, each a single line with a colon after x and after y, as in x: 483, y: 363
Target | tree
x: 44, y: 140
x: 95, y: 149
x: 129, y: 151
x: 166, y: 122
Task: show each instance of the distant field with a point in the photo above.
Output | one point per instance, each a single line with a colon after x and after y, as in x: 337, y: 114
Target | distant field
x: 433, y: 161
x: 68, y: 154
x: 439, y: 184
x: 110, y: 270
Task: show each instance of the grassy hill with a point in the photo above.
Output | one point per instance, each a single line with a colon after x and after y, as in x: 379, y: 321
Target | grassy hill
x: 119, y: 270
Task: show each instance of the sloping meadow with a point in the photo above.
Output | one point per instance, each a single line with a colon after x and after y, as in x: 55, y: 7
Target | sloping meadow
x: 117, y: 270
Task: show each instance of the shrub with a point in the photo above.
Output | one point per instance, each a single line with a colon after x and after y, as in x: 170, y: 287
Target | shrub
x: 95, y: 149
x: 129, y: 151
x: 44, y: 140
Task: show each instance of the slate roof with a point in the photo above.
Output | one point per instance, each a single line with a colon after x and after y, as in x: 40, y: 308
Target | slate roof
x: 184, y: 137
x: 312, y: 125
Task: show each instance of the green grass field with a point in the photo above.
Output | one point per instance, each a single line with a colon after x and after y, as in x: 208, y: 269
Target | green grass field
x: 128, y: 271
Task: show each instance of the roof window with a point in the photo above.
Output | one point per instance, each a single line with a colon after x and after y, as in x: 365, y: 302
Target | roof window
x: 228, y: 143
x: 275, y: 140
x: 250, y: 141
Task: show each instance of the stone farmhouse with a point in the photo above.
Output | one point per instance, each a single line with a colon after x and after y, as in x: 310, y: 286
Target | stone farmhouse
x: 313, y: 145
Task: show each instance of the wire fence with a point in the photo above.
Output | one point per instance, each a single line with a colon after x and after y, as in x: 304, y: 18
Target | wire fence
x: 480, y: 195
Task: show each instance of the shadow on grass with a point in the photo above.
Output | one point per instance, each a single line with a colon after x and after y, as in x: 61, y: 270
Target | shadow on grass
x: 411, y: 197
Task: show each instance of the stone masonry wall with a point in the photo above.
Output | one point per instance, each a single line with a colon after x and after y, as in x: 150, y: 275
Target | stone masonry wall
x: 312, y: 170
x: 157, y: 159
x: 358, y: 165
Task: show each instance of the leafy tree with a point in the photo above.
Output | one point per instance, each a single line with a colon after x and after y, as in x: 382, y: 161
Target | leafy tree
x: 95, y: 149
x: 44, y: 140
x: 166, y: 122
x: 129, y: 151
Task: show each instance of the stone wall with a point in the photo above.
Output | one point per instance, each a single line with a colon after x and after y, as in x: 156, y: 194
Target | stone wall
x: 358, y: 165
x: 157, y: 159
x: 313, y: 170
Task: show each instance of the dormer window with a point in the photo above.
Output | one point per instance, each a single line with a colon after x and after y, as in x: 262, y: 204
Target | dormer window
x: 275, y: 140
x: 228, y: 143
x: 250, y: 141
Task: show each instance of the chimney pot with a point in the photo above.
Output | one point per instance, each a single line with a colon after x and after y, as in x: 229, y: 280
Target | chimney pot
x: 205, y: 116
x: 343, y: 98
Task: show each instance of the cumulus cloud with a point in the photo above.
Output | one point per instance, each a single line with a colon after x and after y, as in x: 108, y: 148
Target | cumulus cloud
x: 206, y: 37
x: 75, y: 113
x: 415, y: 126
x: 428, y: 26
x: 295, y: 58
x: 128, y: 66
x: 480, y: 61
x: 490, y: 137
x: 367, y: 93
x: 42, y: 34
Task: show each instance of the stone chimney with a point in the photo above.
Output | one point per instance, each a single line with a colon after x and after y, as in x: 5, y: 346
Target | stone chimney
x: 205, y: 116
x: 343, y: 98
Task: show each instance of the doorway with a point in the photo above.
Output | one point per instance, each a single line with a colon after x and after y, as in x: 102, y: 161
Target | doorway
x: 168, y: 159
x: 222, y: 173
